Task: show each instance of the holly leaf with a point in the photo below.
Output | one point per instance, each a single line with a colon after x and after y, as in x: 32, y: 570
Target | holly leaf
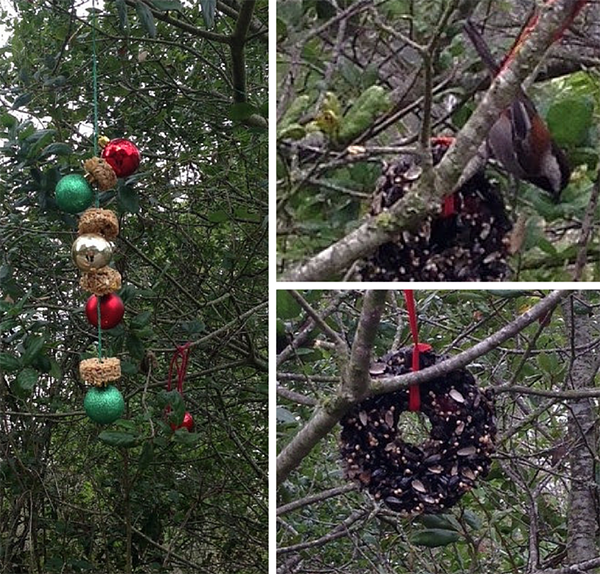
x: 141, y: 320
x: 34, y: 348
x: 472, y: 520
x: 570, y: 119
x: 146, y: 456
x: 135, y: 346
x: 146, y: 18
x: 434, y: 537
x: 118, y: 439
x: 9, y: 362
x: 26, y: 380
x: 165, y: 5
x: 22, y: 100
x: 58, y: 148
x: 208, y: 12
x: 129, y: 199
x: 123, y: 18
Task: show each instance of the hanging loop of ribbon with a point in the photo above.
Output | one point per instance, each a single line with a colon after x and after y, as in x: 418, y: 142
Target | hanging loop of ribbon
x: 179, y: 363
x: 414, y: 393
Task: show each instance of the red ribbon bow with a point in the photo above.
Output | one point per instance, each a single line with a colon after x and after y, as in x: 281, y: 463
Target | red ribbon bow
x: 414, y: 393
x: 179, y: 362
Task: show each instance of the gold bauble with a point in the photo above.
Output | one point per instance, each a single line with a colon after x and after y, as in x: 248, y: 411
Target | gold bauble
x: 91, y: 251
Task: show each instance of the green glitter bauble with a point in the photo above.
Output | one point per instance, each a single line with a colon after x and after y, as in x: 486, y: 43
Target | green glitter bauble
x: 73, y: 193
x: 104, y: 406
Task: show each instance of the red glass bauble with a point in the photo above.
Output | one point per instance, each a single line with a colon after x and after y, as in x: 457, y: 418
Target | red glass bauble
x: 111, y: 310
x: 122, y: 156
x: 188, y: 423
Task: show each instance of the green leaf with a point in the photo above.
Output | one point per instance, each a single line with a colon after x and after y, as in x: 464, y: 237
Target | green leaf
x: 9, y: 362
x: 286, y: 417
x: 123, y: 18
x: 193, y: 327
x: 435, y: 537
x: 129, y: 199
x: 146, y: 17
x: 290, y: 12
x: 26, y: 380
x: 287, y: 307
x: 174, y: 400
x: 146, y: 456
x: 56, y: 149
x: 8, y: 120
x: 119, y: 439
x: 5, y: 272
x: 548, y: 363
x: 128, y: 368
x: 165, y: 5
x: 218, y: 216
x: 472, y: 520
x: 241, y: 111
x: 570, y: 120
x: 55, y: 370
x: 182, y: 436
x: 22, y: 100
x: 135, y: 346
x: 208, y: 12
x: 34, y: 347
x: 141, y: 320
x: 439, y: 521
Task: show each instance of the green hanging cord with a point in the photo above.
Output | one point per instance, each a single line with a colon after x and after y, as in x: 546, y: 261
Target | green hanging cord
x: 95, y: 91
x: 95, y: 85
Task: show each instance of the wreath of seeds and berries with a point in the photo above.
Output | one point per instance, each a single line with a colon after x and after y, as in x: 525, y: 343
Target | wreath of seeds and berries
x: 430, y: 477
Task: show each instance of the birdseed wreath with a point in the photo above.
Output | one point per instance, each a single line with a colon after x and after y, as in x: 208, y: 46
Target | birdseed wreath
x: 432, y: 476
x: 101, y: 221
x: 472, y: 244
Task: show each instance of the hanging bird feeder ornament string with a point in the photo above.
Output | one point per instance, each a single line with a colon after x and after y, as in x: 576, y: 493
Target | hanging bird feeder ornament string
x: 92, y: 253
x: 179, y: 363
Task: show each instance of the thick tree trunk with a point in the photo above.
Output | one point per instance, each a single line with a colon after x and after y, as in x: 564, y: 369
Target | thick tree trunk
x: 582, y: 519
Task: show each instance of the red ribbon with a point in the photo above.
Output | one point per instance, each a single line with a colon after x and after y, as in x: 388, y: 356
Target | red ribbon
x: 449, y: 206
x: 414, y: 393
x: 179, y: 362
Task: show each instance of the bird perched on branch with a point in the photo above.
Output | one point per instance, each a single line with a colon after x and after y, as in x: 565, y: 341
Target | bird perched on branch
x: 520, y: 140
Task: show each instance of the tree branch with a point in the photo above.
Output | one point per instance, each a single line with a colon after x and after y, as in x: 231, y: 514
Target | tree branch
x: 193, y: 30
x: 389, y: 384
x: 353, y: 387
x: 237, y: 41
x: 356, y: 379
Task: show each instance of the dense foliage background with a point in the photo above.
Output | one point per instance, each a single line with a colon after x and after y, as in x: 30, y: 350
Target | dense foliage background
x: 535, y: 512
x: 354, y: 92
x: 187, y: 82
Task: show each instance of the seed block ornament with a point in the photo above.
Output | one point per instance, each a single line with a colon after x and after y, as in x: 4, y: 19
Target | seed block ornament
x: 430, y: 477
